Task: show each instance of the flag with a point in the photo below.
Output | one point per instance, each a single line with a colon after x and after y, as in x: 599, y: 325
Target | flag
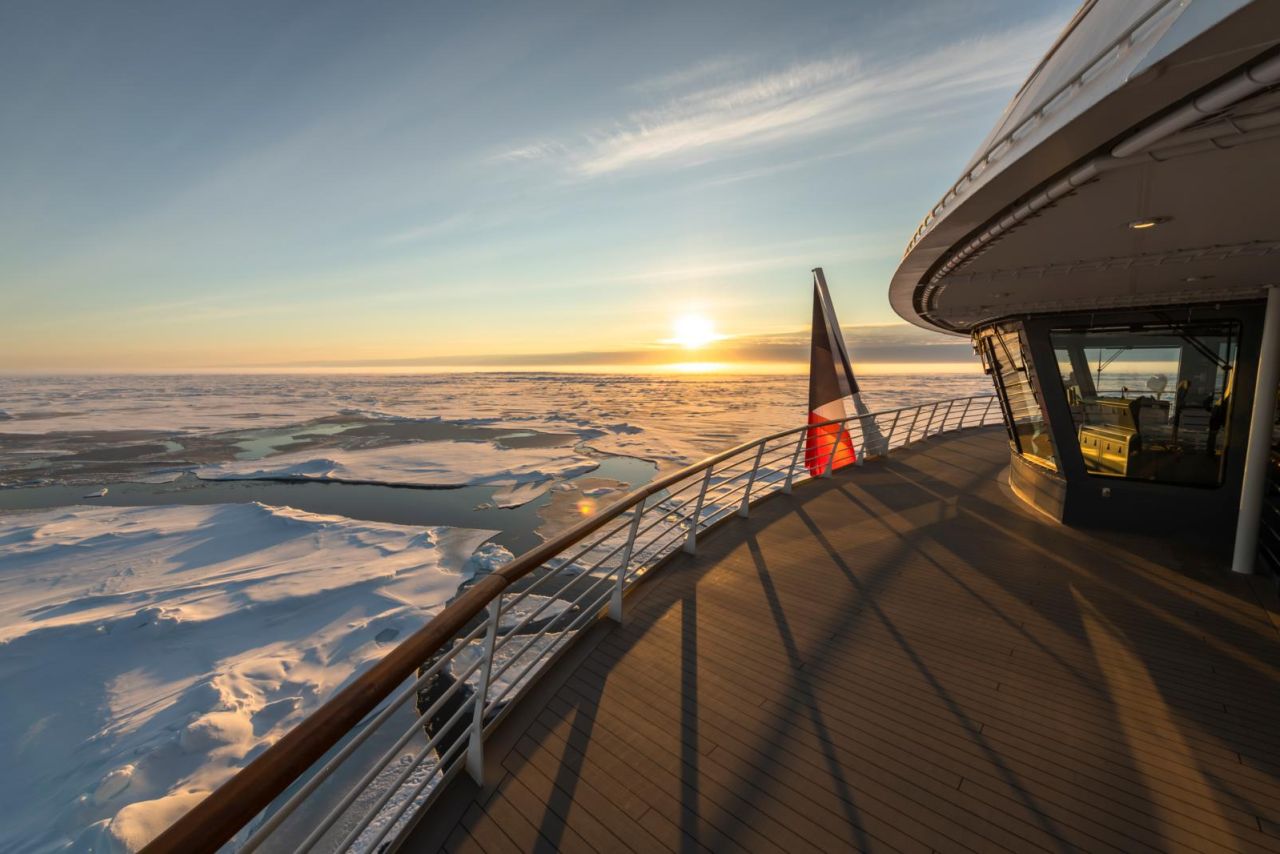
x: 831, y: 380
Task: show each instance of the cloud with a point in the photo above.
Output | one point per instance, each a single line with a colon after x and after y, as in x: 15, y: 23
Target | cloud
x: 882, y: 140
x: 802, y: 100
x: 717, y: 67
x: 738, y: 260
x: 440, y: 227
x: 534, y: 151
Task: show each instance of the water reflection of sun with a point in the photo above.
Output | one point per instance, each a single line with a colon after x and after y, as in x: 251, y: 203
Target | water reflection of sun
x: 586, y: 506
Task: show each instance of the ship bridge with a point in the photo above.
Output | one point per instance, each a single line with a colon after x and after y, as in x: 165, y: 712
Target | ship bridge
x: 1113, y: 251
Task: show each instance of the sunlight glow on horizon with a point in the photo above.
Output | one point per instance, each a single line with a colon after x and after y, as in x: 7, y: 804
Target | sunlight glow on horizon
x: 693, y: 331
x: 698, y: 368
x: 637, y: 369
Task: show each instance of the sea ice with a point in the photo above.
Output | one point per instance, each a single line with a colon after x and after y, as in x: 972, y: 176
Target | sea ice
x: 147, y: 653
x: 521, y: 473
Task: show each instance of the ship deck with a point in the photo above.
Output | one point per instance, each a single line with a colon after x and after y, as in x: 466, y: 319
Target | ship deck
x: 901, y: 657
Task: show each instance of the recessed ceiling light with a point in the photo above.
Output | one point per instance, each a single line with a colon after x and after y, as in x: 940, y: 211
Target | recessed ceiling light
x: 1148, y: 222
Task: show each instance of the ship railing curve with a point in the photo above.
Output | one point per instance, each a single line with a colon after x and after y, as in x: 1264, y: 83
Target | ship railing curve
x: 359, y: 771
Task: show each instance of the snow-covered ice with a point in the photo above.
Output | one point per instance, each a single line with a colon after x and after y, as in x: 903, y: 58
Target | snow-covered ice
x: 523, y: 473
x: 147, y: 653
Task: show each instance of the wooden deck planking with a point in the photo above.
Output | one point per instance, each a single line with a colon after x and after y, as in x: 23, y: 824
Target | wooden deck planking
x: 902, y: 658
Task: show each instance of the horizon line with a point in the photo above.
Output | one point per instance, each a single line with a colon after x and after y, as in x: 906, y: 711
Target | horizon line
x: 686, y: 368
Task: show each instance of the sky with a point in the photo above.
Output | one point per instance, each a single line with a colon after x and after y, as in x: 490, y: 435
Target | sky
x: 257, y: 185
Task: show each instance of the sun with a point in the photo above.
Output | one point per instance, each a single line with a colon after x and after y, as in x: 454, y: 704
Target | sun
x: 692, y: 331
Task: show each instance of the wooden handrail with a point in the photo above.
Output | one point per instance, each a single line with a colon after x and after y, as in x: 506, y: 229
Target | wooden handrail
x: 219, y: 817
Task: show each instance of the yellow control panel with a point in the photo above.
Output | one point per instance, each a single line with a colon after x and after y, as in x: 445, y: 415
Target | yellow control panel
x: 1108, y: 448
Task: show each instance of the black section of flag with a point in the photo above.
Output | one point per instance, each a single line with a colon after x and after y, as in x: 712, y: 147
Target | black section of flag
x: 824, y: 385
x: 849, y: 384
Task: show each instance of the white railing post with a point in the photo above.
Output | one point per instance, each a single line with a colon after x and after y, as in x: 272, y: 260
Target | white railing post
x: 475, y: 750
x: 942, y: 428
x: 990, y: 401
x: 831, y: 460
x: 791, y: 470
x: 888, y: 442
x: 965, y: 414
x: 744, y: 509
x: 929, y: 426
x: 912, y: 429
x: 615, y: 603
x: 691, y: 540
x: 858, y: 455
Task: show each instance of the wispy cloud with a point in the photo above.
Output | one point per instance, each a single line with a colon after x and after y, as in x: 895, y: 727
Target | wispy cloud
x: 440, y: 227
x: 711, y: 69
x: 535, y: 151
x: 735, y: 261
x: 802, y: 100
x: 878, y: 141
x: 470, y: 221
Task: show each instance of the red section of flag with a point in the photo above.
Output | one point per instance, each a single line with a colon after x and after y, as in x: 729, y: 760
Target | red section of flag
x: 821, y: 441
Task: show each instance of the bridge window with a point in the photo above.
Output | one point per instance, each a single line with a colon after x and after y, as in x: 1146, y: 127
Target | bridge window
x: 1003, y: 351
x: 1150, y: 401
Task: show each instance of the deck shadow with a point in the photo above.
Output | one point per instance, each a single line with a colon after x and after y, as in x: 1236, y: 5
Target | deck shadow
x: 898, y: 659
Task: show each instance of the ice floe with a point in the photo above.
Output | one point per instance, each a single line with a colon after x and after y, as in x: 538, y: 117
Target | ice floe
x: 521, y: 473
x: 147, y: 653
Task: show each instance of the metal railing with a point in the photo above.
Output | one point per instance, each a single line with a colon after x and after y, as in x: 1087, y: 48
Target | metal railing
x: 360, y: 770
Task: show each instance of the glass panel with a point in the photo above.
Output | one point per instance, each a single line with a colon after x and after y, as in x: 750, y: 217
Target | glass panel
x: 1003, y: 351
x: 1150, y: 401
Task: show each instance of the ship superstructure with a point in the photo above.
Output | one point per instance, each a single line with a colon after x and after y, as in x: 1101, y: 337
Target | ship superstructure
x: 1111, y: 249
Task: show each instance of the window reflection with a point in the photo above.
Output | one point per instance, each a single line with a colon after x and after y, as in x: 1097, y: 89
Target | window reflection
x: 1003, y: 353
x: 1150, y: 400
